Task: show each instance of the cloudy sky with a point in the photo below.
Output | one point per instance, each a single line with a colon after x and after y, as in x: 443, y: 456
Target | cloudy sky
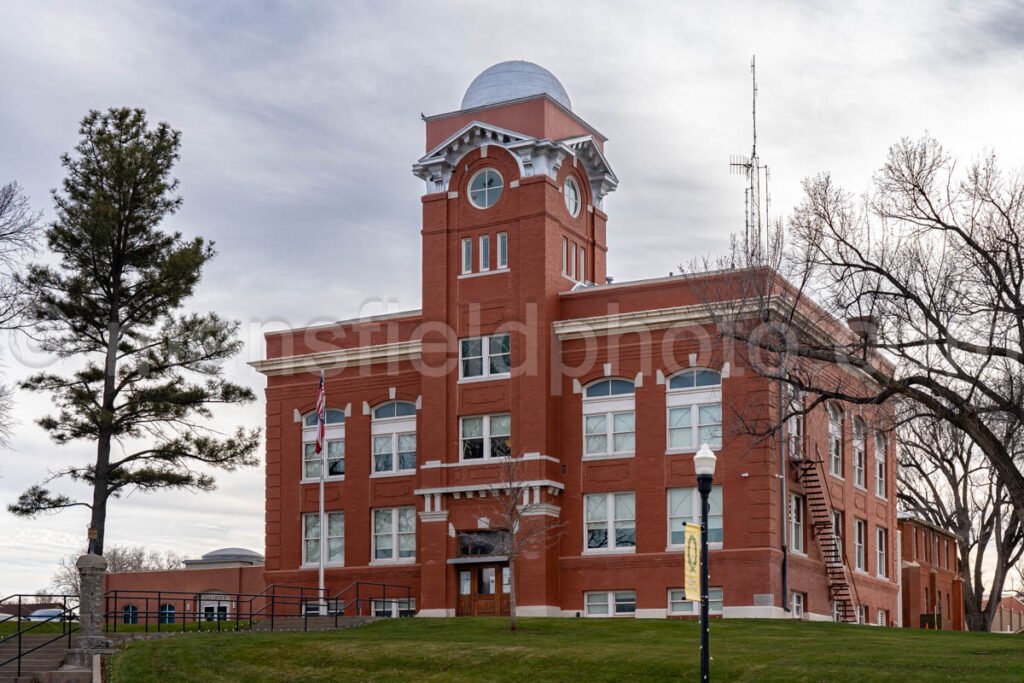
x: 300, y: 122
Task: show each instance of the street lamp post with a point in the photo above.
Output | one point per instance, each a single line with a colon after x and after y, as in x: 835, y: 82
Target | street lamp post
x: 704, y: 464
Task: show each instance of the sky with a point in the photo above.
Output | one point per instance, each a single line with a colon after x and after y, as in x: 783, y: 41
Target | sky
x: 300, y: 122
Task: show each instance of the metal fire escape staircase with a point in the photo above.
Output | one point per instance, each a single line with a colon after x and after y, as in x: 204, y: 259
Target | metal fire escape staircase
x: 811, y: 473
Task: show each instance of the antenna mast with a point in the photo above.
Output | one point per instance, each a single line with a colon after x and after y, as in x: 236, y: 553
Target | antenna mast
x: 751, y: 168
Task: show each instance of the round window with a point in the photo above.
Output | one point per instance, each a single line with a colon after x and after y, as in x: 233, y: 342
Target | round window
x: 572, y: 196
x: 485, y: 188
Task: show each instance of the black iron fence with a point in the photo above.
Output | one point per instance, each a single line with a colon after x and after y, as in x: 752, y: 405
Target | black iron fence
x: 35, y: 615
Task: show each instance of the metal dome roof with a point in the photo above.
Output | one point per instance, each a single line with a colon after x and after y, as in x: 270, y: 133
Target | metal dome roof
x: 232, y: 553
x: 514, y: 80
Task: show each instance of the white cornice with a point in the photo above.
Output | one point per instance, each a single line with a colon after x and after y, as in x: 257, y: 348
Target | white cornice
x: 340, y: 358
x: 652, y: 319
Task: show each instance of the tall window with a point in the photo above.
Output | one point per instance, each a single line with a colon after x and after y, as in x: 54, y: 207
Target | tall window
x: 565, y: 256
x: 394, y: 437
x: 334, y: 436
x: 486, y: 436
x: 678, y: 605
x: 583, y: 265
x: 835, y: 440
x: 881, y: 548
x: 881, y: 488
x: 684, y: 508
x: 485, y: 356
x: 609, y: 427
x: 860, y: 543
x: 859, y: 453
x: 796, y: 524
x: 610, y: 521
x: 572, y: 261
x: 485, y: 253
x: 837, y: 529
x: 610, y: 604
x: 883, y: 617
x: 467, y: 255
x: 795, y: 424
x: 130, y: 614
x: 502, y: 250
x: 694, y: 400
x: 394, y: 534
x: 311, y: 533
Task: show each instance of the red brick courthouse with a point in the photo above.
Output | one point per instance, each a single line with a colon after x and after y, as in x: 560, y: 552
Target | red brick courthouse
x: 602, y: 391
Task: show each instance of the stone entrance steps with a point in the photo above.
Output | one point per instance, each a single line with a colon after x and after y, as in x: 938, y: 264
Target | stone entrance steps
x: 39, y: 665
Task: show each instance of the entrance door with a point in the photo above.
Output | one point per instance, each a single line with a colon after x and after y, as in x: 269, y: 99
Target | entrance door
x: 483, y: 590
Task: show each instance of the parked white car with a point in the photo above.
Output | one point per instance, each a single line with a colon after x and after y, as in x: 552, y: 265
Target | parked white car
x: 5, y: 617
x: 44, y: 614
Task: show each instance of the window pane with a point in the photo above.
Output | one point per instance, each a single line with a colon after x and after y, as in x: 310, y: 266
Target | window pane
x: 625, y: 534
x: 597, y: 444
x: 499, y: 343
x: 624, y: 422
x: 472, y: 449
x: 597, y: 603
x: 382, y: 462
x: 707, y: 378
x: 620, y: 386
x: 473, y: 367
x: 596, y: 424
x: 311, y: 464
x: 312, y: 526
x: 597, y: 535
x: 602, y: 388
x: 501, y: 447
x: 500, y: 364
x: 596, y: 507
x: 625, y: 506
x: 680, y: 502
x: 335, y: 524
x: 501, y: 425
x: 472, y: 427
x: 333, y: 416
x: 382, y: 522
x: 335, y: 550
x: 312, y: 552
x: 472, y: 347
x: 625, y: 602
x: 385, y: 411
x: 406, y: 520
x: 684, y: 380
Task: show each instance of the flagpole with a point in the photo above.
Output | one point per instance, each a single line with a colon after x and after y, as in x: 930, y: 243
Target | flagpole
x: 323, y: 521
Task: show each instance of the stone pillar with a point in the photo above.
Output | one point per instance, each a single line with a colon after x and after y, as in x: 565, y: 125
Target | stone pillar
x: 91, y: 570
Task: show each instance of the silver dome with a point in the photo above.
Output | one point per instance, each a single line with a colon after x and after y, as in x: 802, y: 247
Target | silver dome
x: 507, y: 81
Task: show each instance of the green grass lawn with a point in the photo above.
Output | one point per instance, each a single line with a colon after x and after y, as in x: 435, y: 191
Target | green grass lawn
x: 583, y: 650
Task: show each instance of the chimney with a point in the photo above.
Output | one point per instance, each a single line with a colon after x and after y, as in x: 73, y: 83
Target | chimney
x: 865, y: 327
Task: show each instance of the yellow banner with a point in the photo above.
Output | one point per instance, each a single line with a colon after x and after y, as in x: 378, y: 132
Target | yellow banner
x: 692, y: 561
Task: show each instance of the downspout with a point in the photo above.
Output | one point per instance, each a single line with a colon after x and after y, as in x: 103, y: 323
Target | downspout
x: 783, y: 447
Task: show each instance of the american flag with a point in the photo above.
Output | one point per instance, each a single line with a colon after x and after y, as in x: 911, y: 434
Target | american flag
x: 321, y: 415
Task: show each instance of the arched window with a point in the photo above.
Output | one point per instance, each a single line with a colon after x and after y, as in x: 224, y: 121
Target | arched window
x: 394, y: 437
x: 859, y: 453
x: 795, y: 424
x: 694, y: 403
x: 166, y: 614
x: 609, y: 419
x: 334, y: 436
x: 881, y: 488
x: 130, y: 614
x: 835, y: 440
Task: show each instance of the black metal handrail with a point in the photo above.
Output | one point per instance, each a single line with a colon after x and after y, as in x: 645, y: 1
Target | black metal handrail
x: 66, y: 616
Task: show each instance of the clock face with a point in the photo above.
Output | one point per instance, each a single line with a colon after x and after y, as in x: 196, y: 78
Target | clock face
x: 485, y: 188
x: 572, y: 196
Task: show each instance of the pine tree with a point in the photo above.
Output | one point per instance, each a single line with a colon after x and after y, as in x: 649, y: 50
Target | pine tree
x: 148, y: 372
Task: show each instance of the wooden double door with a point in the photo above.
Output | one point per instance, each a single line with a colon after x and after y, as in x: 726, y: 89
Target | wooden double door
x: 483, y: 589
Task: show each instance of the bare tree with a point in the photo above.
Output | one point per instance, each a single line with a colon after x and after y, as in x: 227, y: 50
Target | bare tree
x: 120, y: 558
x: 945, y: 480
x: 19, y: 231
x: 928, y: 268
x: 526, y: 524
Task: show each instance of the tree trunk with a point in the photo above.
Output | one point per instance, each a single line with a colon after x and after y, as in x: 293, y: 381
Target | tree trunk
x: 101, y: 482
x: 513, y: 623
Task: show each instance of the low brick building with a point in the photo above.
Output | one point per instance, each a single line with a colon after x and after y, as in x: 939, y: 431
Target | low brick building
x: 599, y: 391
x: 1009, y: 616
x: 932, y: 589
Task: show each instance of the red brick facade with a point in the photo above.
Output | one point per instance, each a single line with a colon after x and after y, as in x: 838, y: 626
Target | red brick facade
x: 932, y: 587
x: 543, y: 283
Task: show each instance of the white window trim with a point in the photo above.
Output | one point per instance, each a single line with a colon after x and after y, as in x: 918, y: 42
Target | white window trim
x: 693, y: 399
x: 860, y: 545
x: 485, y: 253
x: 393, y: 426
x: 881, y: 463
x: 860, y: 448
x: 565, y: 257
x: 466, y: 255
x: 573, y: 262
x: 332, y: 432
x: 569, y: 180
x: 485, y: 350
x: 882, y: 553
x: 583, y: 265
x: 610, y: 597
x: 695, y: 604
x: 502, y: 245
x: 832, y: 427
x: 306, y: 564
x: 802, y: 536
x: 486, y: 436
x: 797, y: 611
x: 610, y: 520
x: 394, y: 559
x: 500, y: 188
x: 395, y: 607
x: 608, y: 406
x: 695, y: 515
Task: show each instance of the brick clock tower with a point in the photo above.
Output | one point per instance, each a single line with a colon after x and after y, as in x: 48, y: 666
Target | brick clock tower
x: 512, y: 217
